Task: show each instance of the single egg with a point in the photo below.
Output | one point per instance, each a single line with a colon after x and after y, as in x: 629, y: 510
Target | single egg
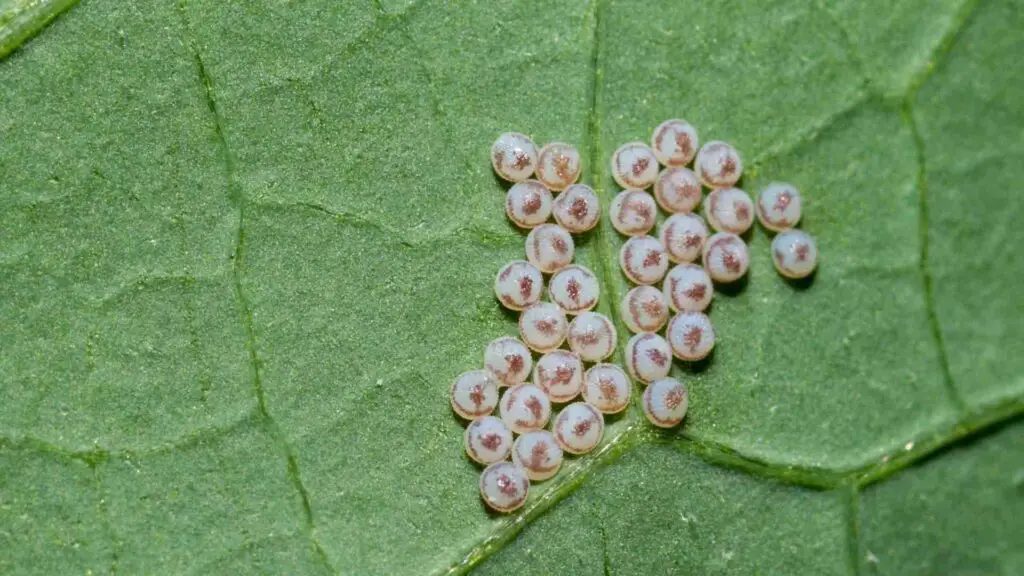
x: 718, y: 165
x: 474, y: 394
x: 514, y: 156
x: 644, y: 309
x: 504, y: 486
x: 683, y: 236
x: 675, y: 142
x: 549, y: 248
x: 648, y: 357
x: 592, y: 336
x: 677, y: 190
x: 538, y: 453
x: 528, y: 204
x: 726, y: 257
x: 558, y: 166
x: 518, y: 285
x: 525, y: 407
x: 633, y: 212
x: 579, y: 428
x: 577, y: 209
x: 691, y: 336
x: 794, y: 253
x: 665, y: 402
x: 634, y: 165
x: 574, y: 289
x: 560, y: 374
x: 488, y: 440
x: 509, y: 360
x: 607, y: 388
x: 543, y: 327
x: 643, y: 260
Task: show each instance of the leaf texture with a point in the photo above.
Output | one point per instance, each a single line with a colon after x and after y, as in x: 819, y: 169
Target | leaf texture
x: 248, y: 245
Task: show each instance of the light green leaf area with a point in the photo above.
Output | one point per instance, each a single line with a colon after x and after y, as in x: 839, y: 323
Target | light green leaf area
x: 247, y: 246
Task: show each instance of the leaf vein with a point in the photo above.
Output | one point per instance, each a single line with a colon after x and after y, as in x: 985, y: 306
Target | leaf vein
x: 235, y: 196
x: 99, y: 454
x: 403, y: 236
x: 604, y: 234
x: 813, y: 130
x: 25, y: 19
x: 872, y: 470
x: 942, y: 48
x: 952, y: 391
x: 844, y: 35
x: 853, y: 531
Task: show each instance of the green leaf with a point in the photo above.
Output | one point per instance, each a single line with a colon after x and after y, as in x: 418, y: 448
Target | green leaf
x: 248, y: 245
x: 22, y: 19
x: 899, y: 518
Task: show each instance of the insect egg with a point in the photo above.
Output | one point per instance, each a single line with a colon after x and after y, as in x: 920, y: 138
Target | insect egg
x: 729, y: 210
x: 678, y: 190
x: 525, y: 407
x: 592, y: 336
x: 665, y: 402
x: 509, y: 360
x: 577, y: 209
x: 674, y: 142
x: 644, y: 309
x: 606, y: 387
x: 560, y: 374
x: 514, y: 156
x: 488, y: 440
x: 794, y: 253
x: 558, y: 166
x: 648, y: 357
x: 643, y: 259
x: 683, y: 236
x: 543, y: 326
x: 726, y: 258
x: 518, y: 285
x: 474, y: 394
x: 688, y: 288
x: 579, y: 428
x: 574, y: 289
x: 718, y: 165
x: 634, y: 165
x: 549, y: 248
x: 504, y: 486
x: 633, y: 212
x: 538, y: 454
x: 778, y: 206
x: 528, y: 204
x: 691, y: 336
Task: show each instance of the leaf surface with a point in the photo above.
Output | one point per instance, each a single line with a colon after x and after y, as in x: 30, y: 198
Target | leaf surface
x: 248, y: 245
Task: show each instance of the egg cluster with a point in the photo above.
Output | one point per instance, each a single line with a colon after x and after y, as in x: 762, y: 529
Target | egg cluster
x: 524, y: 429
x: 544, y: 185
x: 687, y: 289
